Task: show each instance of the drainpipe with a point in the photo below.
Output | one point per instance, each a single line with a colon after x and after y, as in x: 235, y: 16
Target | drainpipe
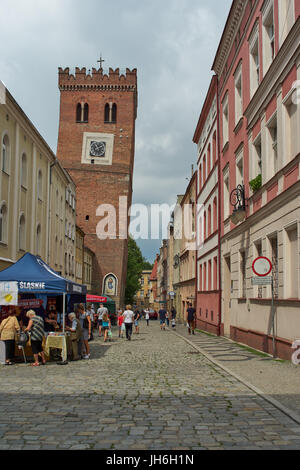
x: 49, y: 213
x: 219, y: 209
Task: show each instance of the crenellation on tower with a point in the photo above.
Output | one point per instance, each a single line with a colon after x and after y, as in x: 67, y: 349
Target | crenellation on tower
x: 114, y: 77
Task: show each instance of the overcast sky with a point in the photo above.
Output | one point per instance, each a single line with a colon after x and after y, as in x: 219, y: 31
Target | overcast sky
x: 172, y: 43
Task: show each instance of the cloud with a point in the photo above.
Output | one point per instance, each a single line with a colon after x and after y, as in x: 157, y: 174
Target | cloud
x: 172, y: 44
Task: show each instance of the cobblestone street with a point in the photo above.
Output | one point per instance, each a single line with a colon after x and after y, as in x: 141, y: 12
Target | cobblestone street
x: 155, y: 392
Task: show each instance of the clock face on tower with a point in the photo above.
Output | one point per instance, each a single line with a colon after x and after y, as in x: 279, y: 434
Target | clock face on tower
x: 97, y: 149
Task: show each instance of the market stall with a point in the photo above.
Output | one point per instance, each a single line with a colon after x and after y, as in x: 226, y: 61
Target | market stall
x: 38, y: 287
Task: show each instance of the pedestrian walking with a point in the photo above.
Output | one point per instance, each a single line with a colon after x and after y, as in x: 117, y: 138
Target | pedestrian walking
x: 100, y: 312
x: 121, y: 323
x: 162, y: 318
x: 191, y: 319
x: 173, y: 313
x: 8, y: 330
x: 37, y: 333
x: 91, y: 315
x: 106, y: 325
x: 86, y: 325
x: 128, y: 321
x: 137, y: 317
x: 167, y: 318
x: 147, y: 317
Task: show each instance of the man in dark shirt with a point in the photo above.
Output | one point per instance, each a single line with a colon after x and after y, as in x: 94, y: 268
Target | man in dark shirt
x: 191, y: 318
x: 162, y: 317
x: 173, y: 312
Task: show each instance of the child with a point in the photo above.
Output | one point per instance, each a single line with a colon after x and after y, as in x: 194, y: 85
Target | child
x: 106, y: 325
x: 173, y: 324
x: 121, y: 324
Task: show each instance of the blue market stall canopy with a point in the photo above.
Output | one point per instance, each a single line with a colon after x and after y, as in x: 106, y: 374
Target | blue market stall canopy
x: 34, y: 275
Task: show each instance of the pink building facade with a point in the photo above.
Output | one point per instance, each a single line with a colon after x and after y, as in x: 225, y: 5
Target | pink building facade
x: 257, y: 67
x: 208, y: 233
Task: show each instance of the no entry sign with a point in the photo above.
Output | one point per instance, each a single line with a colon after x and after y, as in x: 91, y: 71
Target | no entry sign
x: 262, y: 266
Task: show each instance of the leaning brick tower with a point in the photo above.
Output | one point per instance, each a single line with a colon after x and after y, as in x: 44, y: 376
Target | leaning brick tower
x: 96, y: 144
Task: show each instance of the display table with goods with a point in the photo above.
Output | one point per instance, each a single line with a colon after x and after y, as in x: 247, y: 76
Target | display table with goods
x: 57, y: 341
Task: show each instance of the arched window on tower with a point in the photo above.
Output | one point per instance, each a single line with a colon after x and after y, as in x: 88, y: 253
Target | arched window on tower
x: 78, y: 113
x: 114, y: 113
x: 106, y: 113
x: 86, y: 113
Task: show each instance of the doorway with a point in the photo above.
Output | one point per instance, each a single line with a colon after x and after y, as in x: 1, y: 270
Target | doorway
x: 227, y: 295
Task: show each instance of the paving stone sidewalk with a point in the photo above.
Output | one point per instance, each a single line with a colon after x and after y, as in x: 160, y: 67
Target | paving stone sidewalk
x: 279, y: 380
x: 155, y: 392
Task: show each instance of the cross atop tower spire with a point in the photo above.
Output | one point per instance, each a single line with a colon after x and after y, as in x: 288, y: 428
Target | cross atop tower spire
x: 101, y: 61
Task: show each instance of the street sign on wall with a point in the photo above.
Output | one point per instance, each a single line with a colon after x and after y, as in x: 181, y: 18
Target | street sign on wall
x: 262, y: 266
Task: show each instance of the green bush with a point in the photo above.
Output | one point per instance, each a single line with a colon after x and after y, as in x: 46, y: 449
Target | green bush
x: 256, y: 184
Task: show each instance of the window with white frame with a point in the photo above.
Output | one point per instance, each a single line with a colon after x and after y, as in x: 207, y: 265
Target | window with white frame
x: 238, y: 94
x: 256, y: 158
x: 225, y: 120
x: 268, y: 35
x: 254, y: 61
x: 239, y: 159
x: 291, y: 129
x: 286, y: 18
x: 291, y: 263
x: 3, y: 223
x: 272, y: 153
x: 226, y: 194
x: 40, y: 185
x: 5, y: 154
x: 22, y: 233
x: 24, y: 170
x: 38, y: 240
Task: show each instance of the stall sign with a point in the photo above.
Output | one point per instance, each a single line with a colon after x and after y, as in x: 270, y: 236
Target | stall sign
x: 9, y: 293
x: 32, y: 285
x: 30, y: 303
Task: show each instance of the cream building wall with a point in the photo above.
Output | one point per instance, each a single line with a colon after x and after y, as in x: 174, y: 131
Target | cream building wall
x: 34, y: 212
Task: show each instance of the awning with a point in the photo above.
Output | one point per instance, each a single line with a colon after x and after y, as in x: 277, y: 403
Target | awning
x: 33, y: 275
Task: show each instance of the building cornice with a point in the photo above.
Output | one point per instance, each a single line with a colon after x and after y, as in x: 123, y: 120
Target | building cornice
x: 276, y: 74
x: 227, y: 40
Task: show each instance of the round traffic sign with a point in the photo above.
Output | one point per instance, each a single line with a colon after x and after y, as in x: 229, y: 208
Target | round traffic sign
x: 262, y: 266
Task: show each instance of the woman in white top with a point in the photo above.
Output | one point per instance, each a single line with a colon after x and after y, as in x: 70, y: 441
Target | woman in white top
x: 147, y: 317
x: 128, y: 321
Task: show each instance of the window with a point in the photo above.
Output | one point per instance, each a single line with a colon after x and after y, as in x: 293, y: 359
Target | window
x: 286, y: 13
x: 114, y: 113
x: 256, y: 158
x: 40, y: 185
x: 243, y: 258
x: 226, y: 196
x: 240, y: 168
x: 273, y: 253
x: 3, y: 223
x: 22, y: 240
x: 254, y: 62
x: 86, y: 113
x: 24, y: 170
x: 209, y: 222
x: 78, y: 113
x: 204, y: 169
x: 208, y: 159
x: 214, y: 148
x: 5, y: 154
x: 291, y: 129
x: 106, y: 113
x: 291, y: 264
x: 38, y: 241
x: 272, y: 166
x: 238, y: 95
x: 209, y: 275
x: 66, y: 263
x: 225, y: 120
x: 215, y: 273
x: 268, y: 37
x: 215, y: 216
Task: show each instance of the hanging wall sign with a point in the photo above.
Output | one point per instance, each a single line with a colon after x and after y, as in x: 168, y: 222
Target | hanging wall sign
x: 9, y: 293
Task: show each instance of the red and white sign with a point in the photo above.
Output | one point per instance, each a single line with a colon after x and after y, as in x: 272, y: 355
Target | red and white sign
x: 30, y: 303
x: 262, y: 266
x: 96, y: 298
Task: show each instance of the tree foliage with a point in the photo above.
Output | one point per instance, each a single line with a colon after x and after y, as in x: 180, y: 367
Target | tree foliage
x: 136, y: 264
